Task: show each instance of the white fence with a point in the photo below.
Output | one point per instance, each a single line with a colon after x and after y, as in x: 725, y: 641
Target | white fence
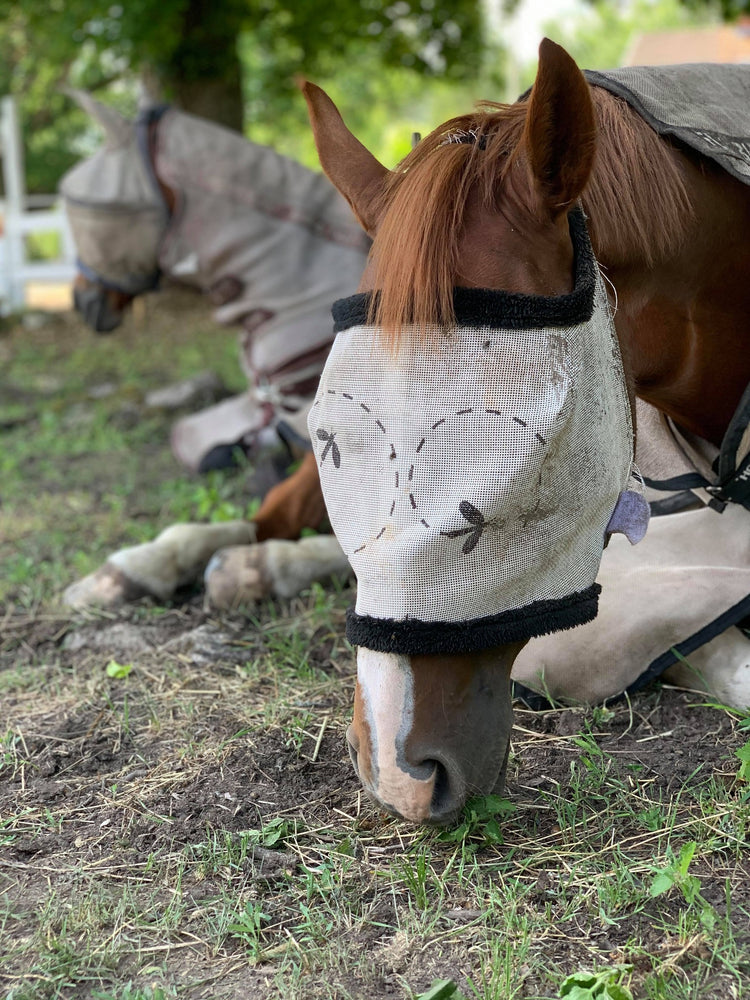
x: 23, y: 215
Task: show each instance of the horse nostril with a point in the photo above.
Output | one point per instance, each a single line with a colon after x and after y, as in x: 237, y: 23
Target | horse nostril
x: 441, y: 788
x: 447, y: 795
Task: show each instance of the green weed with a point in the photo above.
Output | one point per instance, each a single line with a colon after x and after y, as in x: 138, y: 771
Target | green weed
x: 743, y: 755
x: 677, y: 875
x: 603, y: 985
x: 131, y: 992
x: 248, y: 928
x: 442, y: 989
x: 480, y: 823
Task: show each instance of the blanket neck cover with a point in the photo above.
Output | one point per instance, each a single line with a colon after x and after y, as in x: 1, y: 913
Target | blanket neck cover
x: 704, y: 105
x: 472, y: 480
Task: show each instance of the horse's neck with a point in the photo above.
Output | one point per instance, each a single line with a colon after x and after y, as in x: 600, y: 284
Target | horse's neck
x: 681, y: 311
x: 244, y: 211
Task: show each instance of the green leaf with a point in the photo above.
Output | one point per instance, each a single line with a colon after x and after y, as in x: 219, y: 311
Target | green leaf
x: 615, y: 991
x: 743, y: 755
x: 441, y: 989
x: 662, y: 883
x: 708, y: 918
x: 686, y: 856
x: 583, y: 993
x: 496, y: 805
x: 118, y: 670
x: 493, y: 832
x: 601, y: 985
x: 579, y: 980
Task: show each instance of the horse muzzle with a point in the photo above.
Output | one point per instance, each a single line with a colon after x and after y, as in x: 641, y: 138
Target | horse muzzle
x: 94, y: 304
x: 431, y: 732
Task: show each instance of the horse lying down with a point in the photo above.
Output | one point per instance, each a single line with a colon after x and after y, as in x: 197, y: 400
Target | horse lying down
x: 662, y: 610
x: 270, y: 242
x: 474, y: 427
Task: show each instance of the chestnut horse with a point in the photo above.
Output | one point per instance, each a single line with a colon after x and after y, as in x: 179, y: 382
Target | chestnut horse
x: 669, y: 230
x: 491, y: 210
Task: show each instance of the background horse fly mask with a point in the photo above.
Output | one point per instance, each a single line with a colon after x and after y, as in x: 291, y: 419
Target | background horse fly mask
x: 472, y: 482
x: 118, y: 217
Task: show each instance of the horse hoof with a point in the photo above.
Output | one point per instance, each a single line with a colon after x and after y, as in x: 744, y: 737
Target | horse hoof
x: 237, y: 576
x: 106, y: 587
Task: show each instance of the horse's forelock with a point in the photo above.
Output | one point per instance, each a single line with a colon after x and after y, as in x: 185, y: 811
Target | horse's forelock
x: 636, y: 201
x: 415, y: 252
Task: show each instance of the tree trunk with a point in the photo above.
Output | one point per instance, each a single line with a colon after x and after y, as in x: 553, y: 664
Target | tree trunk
x: 203, y: 74
x: 219, y: 99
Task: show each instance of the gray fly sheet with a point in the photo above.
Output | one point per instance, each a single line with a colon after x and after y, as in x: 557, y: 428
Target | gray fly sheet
x: 704, y: 105
x: 272, y: 242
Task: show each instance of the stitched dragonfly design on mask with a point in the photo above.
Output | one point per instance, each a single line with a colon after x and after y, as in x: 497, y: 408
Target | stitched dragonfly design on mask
x: 477, y: 526
x: 330, y: 446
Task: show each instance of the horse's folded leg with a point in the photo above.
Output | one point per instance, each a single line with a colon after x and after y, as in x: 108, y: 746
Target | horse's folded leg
x: 173, y: 559
x: 245, y: 574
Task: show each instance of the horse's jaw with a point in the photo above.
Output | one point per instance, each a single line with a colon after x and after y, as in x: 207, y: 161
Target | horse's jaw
x: 430, y: 732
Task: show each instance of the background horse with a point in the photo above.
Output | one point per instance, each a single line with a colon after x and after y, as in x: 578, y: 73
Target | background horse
x: 485, y: 203
x: 269, y: 241
x: 272, y: 244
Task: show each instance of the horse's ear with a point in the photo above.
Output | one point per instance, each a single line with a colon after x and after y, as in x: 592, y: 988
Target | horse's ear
x: 118, y: 130
x: 348, y: 164
x: 560, y: 134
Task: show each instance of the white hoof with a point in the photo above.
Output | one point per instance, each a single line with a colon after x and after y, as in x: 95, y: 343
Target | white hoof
x: 236, y: 577
x: 242, y: 575
x: 106, y: 587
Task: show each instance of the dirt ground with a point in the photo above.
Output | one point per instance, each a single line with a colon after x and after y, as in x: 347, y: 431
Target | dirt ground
x: 164, y: 769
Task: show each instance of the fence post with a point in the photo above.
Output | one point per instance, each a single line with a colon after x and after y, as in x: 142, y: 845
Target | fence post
x: 14, y: 255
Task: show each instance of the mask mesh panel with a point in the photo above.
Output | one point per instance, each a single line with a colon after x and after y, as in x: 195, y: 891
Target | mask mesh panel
x: 473, y: 476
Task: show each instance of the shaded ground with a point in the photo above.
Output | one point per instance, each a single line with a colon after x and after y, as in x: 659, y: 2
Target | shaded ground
x: 178, y: 815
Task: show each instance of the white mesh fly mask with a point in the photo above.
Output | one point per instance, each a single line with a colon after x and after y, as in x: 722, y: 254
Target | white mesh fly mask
x: 472, y: 481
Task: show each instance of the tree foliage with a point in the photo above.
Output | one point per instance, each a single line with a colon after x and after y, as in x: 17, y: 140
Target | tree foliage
x: 198, y: 54
x: 237, y: 59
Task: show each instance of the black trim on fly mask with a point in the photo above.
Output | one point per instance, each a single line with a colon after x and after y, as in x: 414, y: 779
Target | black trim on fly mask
x: 149, y: 284
x: 488, y: 307
x: 413, y: 637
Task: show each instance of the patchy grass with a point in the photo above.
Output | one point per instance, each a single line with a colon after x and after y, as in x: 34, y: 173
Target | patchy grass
x: 178, y: 816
